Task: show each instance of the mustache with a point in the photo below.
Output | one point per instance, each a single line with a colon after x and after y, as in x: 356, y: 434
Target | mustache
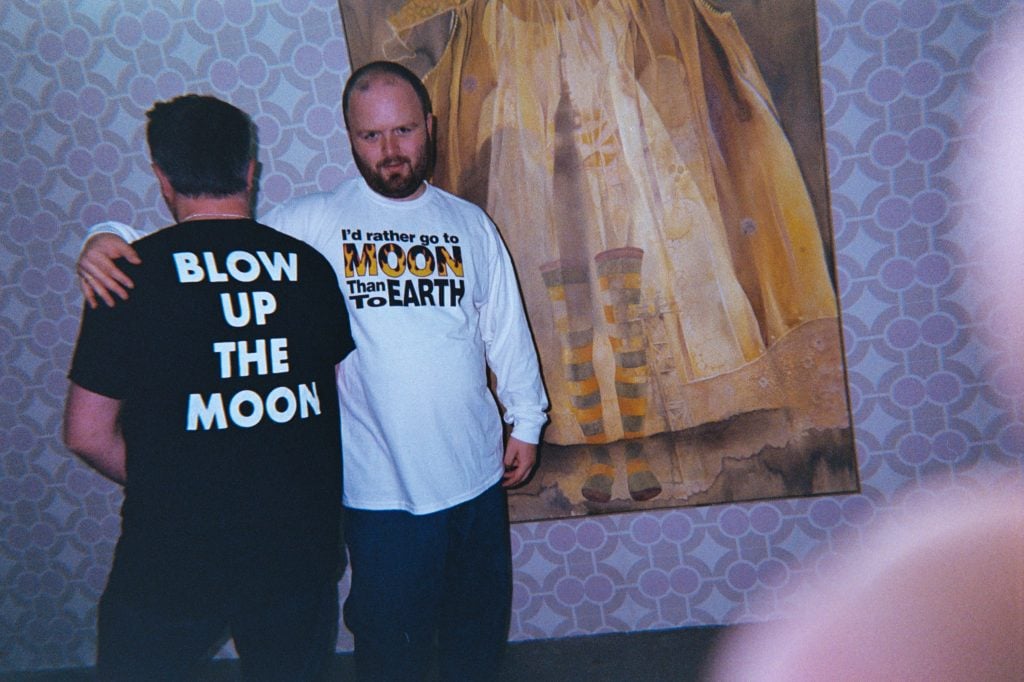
x: 391, y: 160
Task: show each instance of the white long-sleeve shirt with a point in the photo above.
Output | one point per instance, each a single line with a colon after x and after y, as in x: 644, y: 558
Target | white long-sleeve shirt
x: 433, y: 301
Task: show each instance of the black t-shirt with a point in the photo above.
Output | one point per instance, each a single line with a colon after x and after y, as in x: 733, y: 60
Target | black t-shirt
x: 224, y: 359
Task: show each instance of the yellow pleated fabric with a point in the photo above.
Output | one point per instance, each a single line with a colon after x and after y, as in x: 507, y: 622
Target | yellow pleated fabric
x: 589, y: 126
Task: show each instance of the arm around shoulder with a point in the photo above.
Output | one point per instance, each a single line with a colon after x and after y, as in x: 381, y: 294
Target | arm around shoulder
x: 100, y: 276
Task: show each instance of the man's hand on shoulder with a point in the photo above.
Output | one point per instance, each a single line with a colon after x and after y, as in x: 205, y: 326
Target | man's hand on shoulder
x: 100, y: 278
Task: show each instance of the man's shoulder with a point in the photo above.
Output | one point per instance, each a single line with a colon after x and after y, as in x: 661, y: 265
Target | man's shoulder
x: 467, y: 211
x: 343, y: 193
x: 157, y: 237
x: 453, y: 199
x: 307, y: 216
x: 160, y: 241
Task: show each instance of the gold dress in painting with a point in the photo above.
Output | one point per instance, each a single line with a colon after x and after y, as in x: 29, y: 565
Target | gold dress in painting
x: 663, y: 235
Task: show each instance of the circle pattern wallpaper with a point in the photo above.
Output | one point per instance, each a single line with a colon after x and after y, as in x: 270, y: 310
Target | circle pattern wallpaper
x: 935, y: 405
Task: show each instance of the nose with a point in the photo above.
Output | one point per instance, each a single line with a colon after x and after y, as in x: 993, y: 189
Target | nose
x: 389, y: 145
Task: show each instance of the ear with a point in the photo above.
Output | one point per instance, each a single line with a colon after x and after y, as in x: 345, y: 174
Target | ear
x: 165, y: 184
x: 430, y: 125
x: 250, y: 175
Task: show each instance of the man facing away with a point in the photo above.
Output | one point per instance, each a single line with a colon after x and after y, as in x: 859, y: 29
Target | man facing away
x: 211, y: 399
x: 434, y: 302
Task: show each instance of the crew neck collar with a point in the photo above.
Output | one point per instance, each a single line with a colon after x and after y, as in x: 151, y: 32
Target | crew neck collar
x: 397, y: 203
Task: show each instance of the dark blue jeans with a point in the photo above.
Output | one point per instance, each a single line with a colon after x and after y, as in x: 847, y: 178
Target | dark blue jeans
x: 290, y: 637
x: 444, y: 577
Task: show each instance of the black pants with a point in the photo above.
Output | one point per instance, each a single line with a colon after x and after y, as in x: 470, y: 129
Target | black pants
x: 291, y: 636
x: 446, y: 575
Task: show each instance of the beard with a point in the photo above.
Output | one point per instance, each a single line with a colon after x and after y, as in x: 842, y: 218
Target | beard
x: 396, y: 177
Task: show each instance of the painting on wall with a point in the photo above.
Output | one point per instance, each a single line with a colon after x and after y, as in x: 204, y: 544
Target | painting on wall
x: 657, y: 170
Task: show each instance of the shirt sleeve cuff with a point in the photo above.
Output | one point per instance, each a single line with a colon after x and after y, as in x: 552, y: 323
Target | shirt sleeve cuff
x: 125, y: 232
x: 528, y: 430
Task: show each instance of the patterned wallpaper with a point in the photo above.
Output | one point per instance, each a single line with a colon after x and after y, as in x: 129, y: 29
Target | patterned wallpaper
x: 76, y: 77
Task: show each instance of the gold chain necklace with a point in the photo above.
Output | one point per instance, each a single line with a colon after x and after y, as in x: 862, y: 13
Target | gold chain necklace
x: 196, y: 216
